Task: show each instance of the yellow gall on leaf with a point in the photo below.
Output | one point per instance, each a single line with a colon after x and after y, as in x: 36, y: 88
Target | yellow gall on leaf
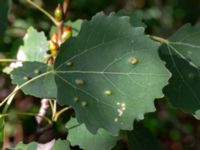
x: 79, y: 81
x: 76, y: 99
x: 133, y: 60
x: 69, y: 63
x: 25, y: 78
x: 108, y: 92
x: 36, y: 71
x: 83, y: 103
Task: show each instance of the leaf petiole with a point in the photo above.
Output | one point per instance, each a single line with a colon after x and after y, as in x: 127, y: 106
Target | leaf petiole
x: 9, y: 101
x: 8, y: 60
x: 60, y: 112
x: 43, y: 11
x: 54, y: 109
x: 159, y: 39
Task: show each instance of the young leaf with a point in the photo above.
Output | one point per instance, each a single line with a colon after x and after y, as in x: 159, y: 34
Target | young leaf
x: 111, y: 73
x: 35, y: 46
x: 43, y: 87
x: 182, y: 54
x: 102, y: 140
x: 34, y: 49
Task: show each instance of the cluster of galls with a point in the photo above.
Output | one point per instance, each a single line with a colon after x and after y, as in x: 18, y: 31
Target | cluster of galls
x: 55, y: 41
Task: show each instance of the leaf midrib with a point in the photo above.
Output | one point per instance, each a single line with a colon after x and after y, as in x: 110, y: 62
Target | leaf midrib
x: 181, y: 55
x: 109, y: 73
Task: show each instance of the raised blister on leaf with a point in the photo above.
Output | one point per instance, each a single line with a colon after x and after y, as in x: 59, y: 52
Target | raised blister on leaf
x: 41, y: 87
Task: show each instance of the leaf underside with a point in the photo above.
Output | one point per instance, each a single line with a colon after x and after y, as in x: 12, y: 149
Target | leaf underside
x: 35, y: 46
x: 111, y: 73
x: 34, y: 49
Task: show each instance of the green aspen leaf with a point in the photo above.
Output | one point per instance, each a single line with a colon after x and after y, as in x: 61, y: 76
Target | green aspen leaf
x: 197, y: 114
x: 34, y: 49
x: 142, y: 139
x: 183, y: 89
x: 111, y: 73
x: 182, y: 54
x: 185, y: 43
x: 135, y: 17
x: 79, y: 135
x: 21, y: 146
x: 4, y: 9
x: 59, y: 145
x: 35, y: 46
x: 43, y: 87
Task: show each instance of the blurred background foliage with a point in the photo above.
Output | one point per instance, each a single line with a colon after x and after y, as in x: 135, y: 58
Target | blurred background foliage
x: 174, y: 129
x: 162, y: 17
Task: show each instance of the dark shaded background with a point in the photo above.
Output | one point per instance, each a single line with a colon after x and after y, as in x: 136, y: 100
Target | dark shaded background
x: 174, y: 129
